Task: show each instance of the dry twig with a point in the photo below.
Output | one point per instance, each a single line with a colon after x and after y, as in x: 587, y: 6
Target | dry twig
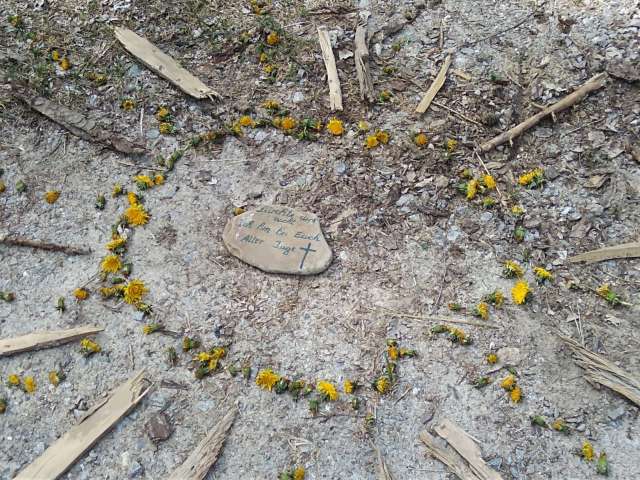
x: 335, y: 93
x: 593, y: 84
x: 52, y: 247
x: 361, y: 56
x: 625, y: 250
x: 435, y: 86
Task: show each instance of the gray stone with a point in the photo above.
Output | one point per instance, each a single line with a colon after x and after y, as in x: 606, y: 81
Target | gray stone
x: 278, y: 239
x: 495, y: 463
x: 135, y: 470
x: 405, y: 200
x: 616, y: 413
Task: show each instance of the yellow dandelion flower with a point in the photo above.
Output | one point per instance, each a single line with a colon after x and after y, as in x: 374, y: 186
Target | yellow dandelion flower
x: 517, y: 210
x: 267, y: 379
x: 512, y: 269
x: 458, y: 334
x: 127, y: 105
x: 162, y: 114
x: 143, y: 181
x: 134, y: 291
x: 508, y: 382
x: 115, y: 243
x: 420, y: 139
x: 482, y: 310
x: 489, y: 182
x: 54, y: 378
x: 52, y: 196
x: 288, y: 123
x: 298, y: 474
x: 532, y: 178
x: 89, y: 346
x: 516, y: 394
x: 204, y: 356
x: 393, y: 352
x: 559, y: 425
x: 218, y: 353
x: 382, y: 136
x: 273, y: 39
x: 111, y: 264
x: 80, y: 293
x: 165, y: 128
x: 335, y: 127
x: 452, y: 145
x: 348, y: 386
x: 271, y: 105
x: 132, y: 198
x: 492, y: 358
x: 603, y: 290
x: 472, y: 189
x: 55, y: 55
x: 151, y: 328
x: 519, y: 292
x: 268, y: 69
x: 542, y: 274
x: 65, y: 64
x: 263, y: 58
x: 498, y: 298
x: 327, y: 389
x: 158, y: 179
x: 363, y: 126
x: 108, y: 292
x: 29, y: 384
x: 587, y: 451
x: 14, y: 380
x: 136, y: 215
x: 246, y: 121
x: 371, y: 141
x: 383, y: 385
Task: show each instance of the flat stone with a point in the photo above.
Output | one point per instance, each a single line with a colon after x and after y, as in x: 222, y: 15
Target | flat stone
x: 278, y: 239
x: 158, y: 428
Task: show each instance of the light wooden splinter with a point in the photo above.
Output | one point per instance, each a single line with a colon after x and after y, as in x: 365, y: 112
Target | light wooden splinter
x: 335, y: 93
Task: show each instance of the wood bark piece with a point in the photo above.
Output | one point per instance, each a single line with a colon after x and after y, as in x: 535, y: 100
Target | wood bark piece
x: 625, y: 250
x: 467, y: 448
x: 448, y: 457
x: 39, y: 340
x: 435, y: 86
x: 600, y: 370
x: 162, y: 64
x: 591, y: 85
x: 52, y: 247
x: 198, y: 464
x: 77, y: 123
x: 361, y: 56
x: 335, y: 93
x: 65, y: 451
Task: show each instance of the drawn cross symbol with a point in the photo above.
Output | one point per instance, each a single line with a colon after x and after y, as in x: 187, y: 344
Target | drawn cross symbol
x: 306, y: 249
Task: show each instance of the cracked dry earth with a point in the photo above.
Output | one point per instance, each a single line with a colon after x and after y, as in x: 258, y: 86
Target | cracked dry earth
x: 403, y: 237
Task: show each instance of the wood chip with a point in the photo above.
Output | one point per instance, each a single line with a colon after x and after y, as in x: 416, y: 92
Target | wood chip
x: 64, y: 452
x: 77, y: 123
x: 625, y: 250
x: 39, y: 340
x: 448, y: 457
x: 601, y: 371
x: 335, y: 93
x: 362, y: 65
x: 593, y: 84
x: 198, y: 464
x: 467, y: 448
x: 435, y: 86
x: 162, y: 64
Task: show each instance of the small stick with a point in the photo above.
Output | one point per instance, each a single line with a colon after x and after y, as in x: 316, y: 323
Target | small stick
x: 361, y: 57
x: 141, y: 167
x: 593, y: 84
x: 437, y: 104
x: 489, y: 173
x: 24, y: 242
x: 585, y: 125
x: 335, y: 93
x: 435, y: 86
x: 433, y: 319
x: 625, y: 250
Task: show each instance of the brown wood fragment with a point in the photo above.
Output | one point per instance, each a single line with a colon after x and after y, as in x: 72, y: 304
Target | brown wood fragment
x: 162, y: 64
x: 448, y: 457
x: 52, y: 247
x: 435, y: 86
x: 625, y: 250
x: 361, y: 56
x: 158, y: 428
x: 40, y: 340
x: 204, y: 456
x: 467, y: 448
x: 600, y: 370
x: 335, y: 92
x: 65, y: 451
x: 591, y: 85
x: 77, y: 123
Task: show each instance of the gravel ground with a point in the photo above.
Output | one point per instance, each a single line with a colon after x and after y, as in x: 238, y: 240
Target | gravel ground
x: 403, y: 237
